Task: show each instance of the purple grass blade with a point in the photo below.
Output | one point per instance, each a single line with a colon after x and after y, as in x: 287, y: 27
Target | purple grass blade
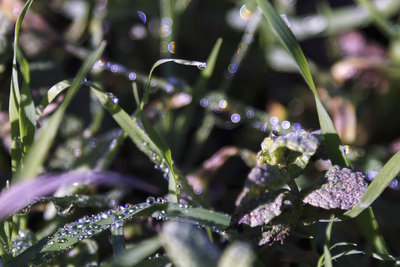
x: 22, y: 194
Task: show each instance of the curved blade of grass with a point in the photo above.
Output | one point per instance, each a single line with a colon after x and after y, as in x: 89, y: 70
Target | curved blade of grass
x: 38, y: 152
x: 148, y: 141
x: 326, y: 258
x: 381, y: 181
x: 198, y: 64
x: 15, y: 97
x: 51, y: 94
x: 289, y: 42
x: 187, y: 246
x: 137, y: 254
x: 88, y: 226
x: 378, y: 256
x: 27, y: 118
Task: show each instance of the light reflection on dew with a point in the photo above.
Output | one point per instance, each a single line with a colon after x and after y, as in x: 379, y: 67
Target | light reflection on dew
x: 204, y: 103
x: 77, y: 152
x: 250, y: 113
x: 223, y: 104
x: 274, y: 120
x: 165, y: 31
x: 132, y: 76
x: 346, y: 149
x: 285, y: 125
x: 171, y: 47
x: 235, y: 118
x: 232, y: 68
x: 142, y: 16
x: 245, y: 13
x: 296, y: 127
x: 286, y: 20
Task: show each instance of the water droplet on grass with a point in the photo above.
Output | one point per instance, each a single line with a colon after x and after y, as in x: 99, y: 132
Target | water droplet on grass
x: 150, y: 200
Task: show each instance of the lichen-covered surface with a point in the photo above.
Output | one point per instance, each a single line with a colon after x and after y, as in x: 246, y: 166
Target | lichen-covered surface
x: 343, y: 189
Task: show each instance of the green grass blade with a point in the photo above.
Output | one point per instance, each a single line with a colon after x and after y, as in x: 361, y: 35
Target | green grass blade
x: 137, y: 254
x: 369, y: 226
x: 187, y: 246
x: 88, y: 226
x: 117, y: 240
x: 237, y: 254
x: 198, y: 64
x: 291, y: 45
x: 327, y: 253
x: 14, y: 102
x: 38, y: 152
x: 147, y: 140
x: 381, y: 181
x: 51, y: 94
x: 27, y: 117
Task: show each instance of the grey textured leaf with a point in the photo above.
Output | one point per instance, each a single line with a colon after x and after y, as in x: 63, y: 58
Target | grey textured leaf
x: 342, y: 189
x: 261, y: 210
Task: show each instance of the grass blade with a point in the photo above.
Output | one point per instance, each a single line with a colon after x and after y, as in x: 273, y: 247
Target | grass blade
x: 37, y: 154
x: 188, y: 246
x: 198, y: 64
x: 148, y: 141
x: 289, y: 42
x: 27, y: 117
x: 88, y: 226
x: 237, y: 254
x: 381, y: 181
x: 51, y: 94
x: 15, y: 97
x: 138, y: 253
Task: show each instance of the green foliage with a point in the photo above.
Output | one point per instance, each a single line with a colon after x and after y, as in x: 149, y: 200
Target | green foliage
x: 296, y: 179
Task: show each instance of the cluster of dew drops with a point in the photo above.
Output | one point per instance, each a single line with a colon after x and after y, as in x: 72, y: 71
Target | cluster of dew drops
x: 88, y: 226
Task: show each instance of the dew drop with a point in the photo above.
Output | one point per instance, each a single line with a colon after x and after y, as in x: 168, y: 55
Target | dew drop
x: 286, y: 20
x: 77, y: 152
x: 274, y: 120
x: 346, y: 149
x: 232, y: 68
x: 142, y: 16
x: 296, y: 127
x: 245, y: 13
x: 171, y: 47
x: 235, y: 118
x: 285, y: 125
x: 202, y: 66
x: 250, y: 113
x: 223, y: 104
x: 204, y: 103
x: 132, y: 76
x: 113, y: 143
x: 150, y: 200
